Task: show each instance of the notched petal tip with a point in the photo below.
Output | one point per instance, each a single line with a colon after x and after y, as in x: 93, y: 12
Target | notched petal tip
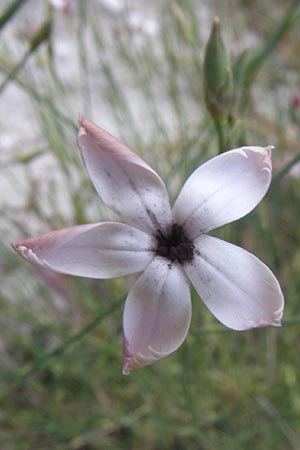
x: 273, y: 321
x: 80, y: 134
x: 131, y: 360
x: 95, y: 132
x: 80, y: 118
x: 265, y: 162
x: 268, y: 158
x: 278, y: 314
x: 269, y: 148
x: 88, y: 128
x: 139, y: 360
x: 135, y: 360
x: 29, y: 255
x: 263, y: 323
x: 82, y: 130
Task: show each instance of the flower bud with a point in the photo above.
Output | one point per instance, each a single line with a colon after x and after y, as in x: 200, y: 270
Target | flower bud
x: 218, y: 83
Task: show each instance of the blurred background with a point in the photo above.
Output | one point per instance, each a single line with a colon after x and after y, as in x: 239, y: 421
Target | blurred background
x: 136, y: 69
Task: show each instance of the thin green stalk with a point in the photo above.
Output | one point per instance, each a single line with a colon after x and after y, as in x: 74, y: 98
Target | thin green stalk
x: 83, y: 52
x: 10, y: 11
x: 26, y: 371
x: 285, y: 169
x: 279, y: 421
x: 42, y: 35
x: 43, y: 100
x: 14, y: 72
x: 261, y: 56
x: 221, y: 136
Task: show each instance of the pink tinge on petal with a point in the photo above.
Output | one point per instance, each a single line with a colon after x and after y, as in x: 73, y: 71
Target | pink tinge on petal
x: 103, y: 250
x: 125, y: 183
x: 108, y: 142
x: 261, y: 324
x: 224, y: 189
x: 49, y: 240
x: 237, y: 287
x: 30, y: 249
x: 134, y: 360
x: 127, y: 357
x: 157, y: 314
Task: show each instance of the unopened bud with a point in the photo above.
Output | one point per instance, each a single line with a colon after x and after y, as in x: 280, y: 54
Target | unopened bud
x: 218, y: 82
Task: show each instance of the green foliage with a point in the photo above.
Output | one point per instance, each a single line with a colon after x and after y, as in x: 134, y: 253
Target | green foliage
x: 10, y: 10
x: 60, y: 337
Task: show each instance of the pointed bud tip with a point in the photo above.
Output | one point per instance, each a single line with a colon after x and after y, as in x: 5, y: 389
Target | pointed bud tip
x: 216, y: 22
x: 218, y: 80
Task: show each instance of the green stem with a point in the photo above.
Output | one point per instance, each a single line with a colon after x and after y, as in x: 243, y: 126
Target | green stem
x: 10, y: 11
x: 221, y: 136
x: 41, y: 99
x: 29, y: 369
x: 14, y: 72
x: 285, y: 169
x: 260, y: 57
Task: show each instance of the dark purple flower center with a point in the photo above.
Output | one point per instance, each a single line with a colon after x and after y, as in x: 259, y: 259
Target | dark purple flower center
x: 175, y: 245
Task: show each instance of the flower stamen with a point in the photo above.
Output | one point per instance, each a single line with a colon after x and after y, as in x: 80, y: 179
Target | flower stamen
x: 175, y: 246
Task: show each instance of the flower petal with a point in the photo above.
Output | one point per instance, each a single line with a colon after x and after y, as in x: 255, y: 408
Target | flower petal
x: 124, y: 181
x: 237, y: 287
x: 223, y: 189
x: 100, y: 250
x: 157, y: 314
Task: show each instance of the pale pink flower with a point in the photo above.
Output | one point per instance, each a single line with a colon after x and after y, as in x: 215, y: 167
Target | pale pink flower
x: 168, y: 246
